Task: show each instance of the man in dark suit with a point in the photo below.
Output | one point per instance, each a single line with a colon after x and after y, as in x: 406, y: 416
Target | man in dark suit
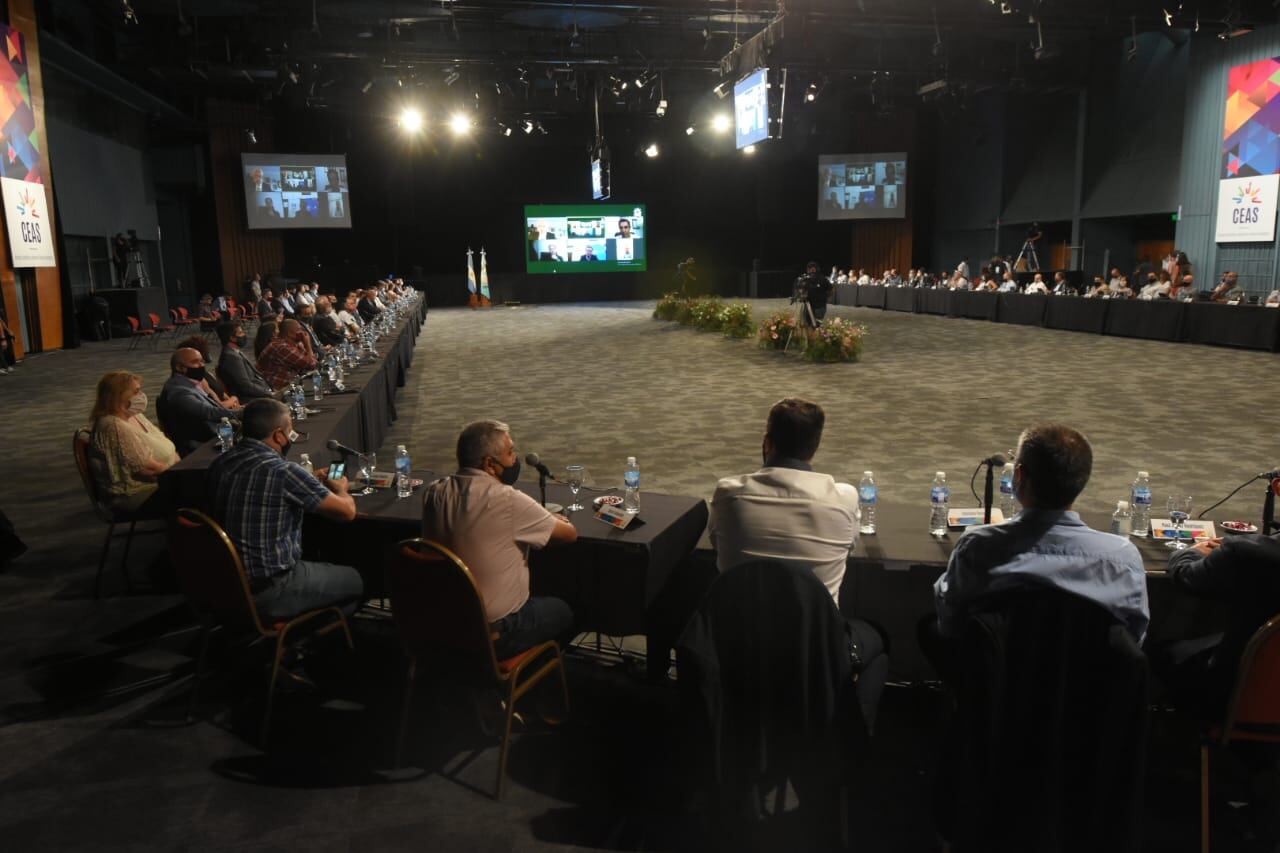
x: 266, y: 305
x: 188, y: 412
x: 237, y: 370
x: 367, y: 307
x: 326, y: 325
x: 1243, y: 571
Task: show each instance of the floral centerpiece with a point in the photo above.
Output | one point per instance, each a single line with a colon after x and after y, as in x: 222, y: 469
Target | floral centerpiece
x: 836, y: 339
x: 776, y: 331
x: 668, y: 306
x: 705, y: 314
x: 736, y: 320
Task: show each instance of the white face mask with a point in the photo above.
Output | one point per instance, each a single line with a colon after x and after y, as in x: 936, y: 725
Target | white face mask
x: 293, y: 436
x: 138, y: 403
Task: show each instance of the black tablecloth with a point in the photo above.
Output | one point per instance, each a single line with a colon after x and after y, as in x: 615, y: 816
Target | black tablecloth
x: 933, y: 301
x: 871, y: 295
x: 844, y: 294
x: 1156, y: 319
x: 1076, y: 314
x: 1248, y: 326
x: 1021, y: 309
x: 974, y: 305
x: 358, y: 418
x: 900, y: 299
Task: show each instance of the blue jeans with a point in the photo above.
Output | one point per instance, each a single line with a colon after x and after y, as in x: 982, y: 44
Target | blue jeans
x: 539, y: 620
x: 309, y: 586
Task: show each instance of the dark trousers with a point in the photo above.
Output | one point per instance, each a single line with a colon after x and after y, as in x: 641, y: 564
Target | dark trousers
x: 819, y: 306
x: 874, y: 671
x: 6, y: 353
x: 540, y: 619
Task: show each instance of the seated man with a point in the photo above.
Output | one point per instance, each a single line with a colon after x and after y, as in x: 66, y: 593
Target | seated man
x: 1045, y: 544
x: 368, y: 305
x: 307, y: 319
x: 1229, y: 289
x: 1037, y: 285
x: 266, y: 305
x: 287, y: 355
x: 478, y: 515
x: 236, y: 370
x: 1244, y: 572
x: 349, y: 317
x: 1124, y: 291
x: 1009, y: 284
x: 1061, y: 287
x: 188, y: 411
x: 326, y: 325
x: 260, y: 499
x: 786, y: 511
x: 1273, y: 298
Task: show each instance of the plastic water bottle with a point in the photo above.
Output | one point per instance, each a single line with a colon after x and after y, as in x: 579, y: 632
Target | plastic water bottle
x: 1008, y: 502
x: 1122, y: 519
x: 1141, y: 503
x: 631, y: 480
x: 404, y: 467
x: 226, y: 435
x: 867, y: 495
x: 939, y: 504
x: 299, y: 403
x: 317, y: 385
x: 305, y: 461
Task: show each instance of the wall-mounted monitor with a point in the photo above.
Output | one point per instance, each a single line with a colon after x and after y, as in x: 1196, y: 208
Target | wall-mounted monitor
x: 585, y: 238
x: 751, y: 108
x: 862, y: 186
x: 296, y: 190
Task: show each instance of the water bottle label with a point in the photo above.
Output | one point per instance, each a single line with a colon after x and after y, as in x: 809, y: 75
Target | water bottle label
x: 867, y: 494
x: 1006, y: 486
x: 939, y: 494
x: 1142, y: 497
x: 631, y: 479
x: 403, y: 466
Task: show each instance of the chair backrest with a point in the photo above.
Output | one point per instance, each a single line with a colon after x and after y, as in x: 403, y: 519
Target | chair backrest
x: 437, y: 607
x: 175, y: 316
x: 1255, y: 701
x: 1051, y: 726
x: 82, y: 449
x: 133, y: 322
x: 183, y: 311
x: 155, y: 320
x: 210, y: 572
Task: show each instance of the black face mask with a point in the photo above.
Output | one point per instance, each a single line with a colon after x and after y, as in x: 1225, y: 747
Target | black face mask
x: 195, y: 374
x: 511, y: 473
x: 241, y: 340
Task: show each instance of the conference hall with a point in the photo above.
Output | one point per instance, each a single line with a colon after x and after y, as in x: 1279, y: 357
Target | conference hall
x: 640, y: 425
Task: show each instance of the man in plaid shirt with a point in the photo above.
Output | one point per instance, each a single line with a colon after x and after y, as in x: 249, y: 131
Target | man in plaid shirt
x: 288, y: 354
x: 260, y: 499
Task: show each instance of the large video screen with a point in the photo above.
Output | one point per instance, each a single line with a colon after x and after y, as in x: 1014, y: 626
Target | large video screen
x: 296, y: 190
x: 862, y: 186
x: 585, y: 238
x: 751, y: 108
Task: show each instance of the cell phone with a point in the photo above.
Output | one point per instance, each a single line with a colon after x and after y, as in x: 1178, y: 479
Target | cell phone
x: 337, y: 470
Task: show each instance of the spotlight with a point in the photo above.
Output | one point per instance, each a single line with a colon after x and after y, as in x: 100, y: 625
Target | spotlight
x: 542, y: 130
x: 811, y: 94
x: 662, y: 108
x: 460, y: 124
x: 364, y: 90
x: 722, y: 89
x: 652, y: 150
x: 721, y: 123
x: 528, y: 127
x: 452, y: 78
x: 749, y: 150
x: 688, y: 131
x: 1006, y: 9
x: 506, y: 131
x: 1168, y: 17
x: 411, y: 120
x: 250, y: 137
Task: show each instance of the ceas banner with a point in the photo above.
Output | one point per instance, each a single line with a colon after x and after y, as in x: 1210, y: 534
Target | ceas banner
x: 1247, y: 209
x: 27, y: 214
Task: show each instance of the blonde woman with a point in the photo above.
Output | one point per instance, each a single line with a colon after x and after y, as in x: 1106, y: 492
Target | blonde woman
x: 131, y: 451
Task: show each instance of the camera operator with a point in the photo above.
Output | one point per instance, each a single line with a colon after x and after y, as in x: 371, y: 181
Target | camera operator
x: 812, y: 289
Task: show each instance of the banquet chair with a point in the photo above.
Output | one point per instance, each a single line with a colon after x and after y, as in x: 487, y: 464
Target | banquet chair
x: 161, y: 328
x: 86, y: 463
x: 213, y: 579
x: 441, y: 619
x: 136, y: 332
x: 1253, y: 712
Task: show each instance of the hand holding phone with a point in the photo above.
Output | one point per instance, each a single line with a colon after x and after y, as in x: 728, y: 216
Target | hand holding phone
x: 337, y: 470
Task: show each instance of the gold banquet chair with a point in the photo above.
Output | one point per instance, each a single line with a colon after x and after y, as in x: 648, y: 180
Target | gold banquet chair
x: 215, y: 583
x: 441, y: 619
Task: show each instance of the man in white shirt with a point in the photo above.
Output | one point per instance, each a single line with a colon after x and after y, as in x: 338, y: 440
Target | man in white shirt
x: 788, y: 512
x: 305, y: 296
x: 1037, y: 285
x: 962, y: 270
x: 1273, y: 298
x: 1116, y: 278
x: 1010, y: 284
x: 349, y: 317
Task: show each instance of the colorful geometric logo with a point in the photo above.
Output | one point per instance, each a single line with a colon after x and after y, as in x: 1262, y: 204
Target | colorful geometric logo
x: 1248, y: 192
x: 27, y: 205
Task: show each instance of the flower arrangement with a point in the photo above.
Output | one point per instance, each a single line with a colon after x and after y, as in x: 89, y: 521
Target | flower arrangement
x: 684, y: 311
x: 705, y: 314
x: 778, y: 329
x: 736, y: 320
x: 668, y: 306
x: 835, y: 340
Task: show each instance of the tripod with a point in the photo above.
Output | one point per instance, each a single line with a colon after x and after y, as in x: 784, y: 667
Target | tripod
x: 1027, y: 254
x: 136, y: 270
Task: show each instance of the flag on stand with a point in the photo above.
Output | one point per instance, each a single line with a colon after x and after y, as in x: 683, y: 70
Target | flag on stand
x: 484, y: 280
x: 471, y: 279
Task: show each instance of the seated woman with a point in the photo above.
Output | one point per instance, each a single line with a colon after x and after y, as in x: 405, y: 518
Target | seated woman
x: 266, y: 334
x: 211, y: 382
x: 131, y: 451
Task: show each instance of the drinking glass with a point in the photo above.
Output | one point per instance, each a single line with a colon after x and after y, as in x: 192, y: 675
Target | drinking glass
x: 574, y: 475
x: 368, y: 463
x: 1179, y: 511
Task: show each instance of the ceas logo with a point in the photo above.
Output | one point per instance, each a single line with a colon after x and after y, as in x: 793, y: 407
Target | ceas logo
x: 27, y: 205
x: 1250, y: 192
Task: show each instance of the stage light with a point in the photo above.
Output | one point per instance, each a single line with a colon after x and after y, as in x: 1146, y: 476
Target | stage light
x: 1168, y: 17
x: 688, y: 131
x: 662, y: 108
x: 364, y: 90
x: 652, y: 150
x: 250, y: 137
x: 411, y: 120
x: 460, y: 124
x: 528, y: 127
x: 721, y: 123
x: 722, y: 89
x: 749, y: 150
x: 451, y: 78
x: 811, y: 94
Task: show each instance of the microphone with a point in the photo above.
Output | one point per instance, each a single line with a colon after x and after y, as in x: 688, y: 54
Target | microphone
x: 535, y: 462
x: 997, y: 460
x: 1269, y: 475
x: 337, y: 447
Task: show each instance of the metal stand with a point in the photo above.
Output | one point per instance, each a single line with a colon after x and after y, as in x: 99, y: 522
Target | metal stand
x: 1028, y: 252
x: 1269, y: 524
x: 136, y: 270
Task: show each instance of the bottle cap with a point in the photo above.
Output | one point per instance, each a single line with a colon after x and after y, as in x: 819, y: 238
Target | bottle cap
x: 400, y: 448
x: 941, y: 474
x: 1143, y: 474
x: 631, y: 460
x: 1122, y: 504
x: 866, y: 473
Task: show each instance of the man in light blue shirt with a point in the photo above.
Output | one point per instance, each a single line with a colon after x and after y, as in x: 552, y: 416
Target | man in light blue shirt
x: 1046, y: 544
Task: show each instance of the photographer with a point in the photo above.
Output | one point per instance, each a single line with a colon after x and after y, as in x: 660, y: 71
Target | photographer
x: 811, y: 291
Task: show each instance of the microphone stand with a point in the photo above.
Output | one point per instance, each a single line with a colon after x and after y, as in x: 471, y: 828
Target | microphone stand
x: 987, y: 490
x: 1269, y: 510
x: 542, y: 487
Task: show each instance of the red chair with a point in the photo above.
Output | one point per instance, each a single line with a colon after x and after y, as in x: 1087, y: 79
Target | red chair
x: 178, y: 318
x: 136, y: 332
x: 161, y: 329
x: 1253, y: 714
x: 216, y: 585
x: 441, y: 619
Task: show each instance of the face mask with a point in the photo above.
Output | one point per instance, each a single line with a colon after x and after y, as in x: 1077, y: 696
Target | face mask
x: 292, y: 437
x: 510, y: 474
x: 241, y: 340
x: 138, y: 403
x: 195, y: 374
x: 306, y: 321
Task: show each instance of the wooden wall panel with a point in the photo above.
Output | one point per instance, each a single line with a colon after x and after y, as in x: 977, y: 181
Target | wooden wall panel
x: 881, y: 245
x: 242, y: 252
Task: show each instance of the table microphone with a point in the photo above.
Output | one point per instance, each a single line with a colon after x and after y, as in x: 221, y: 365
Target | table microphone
x: 535, y: 462
x: 337, y: 447
x: 991, y: 462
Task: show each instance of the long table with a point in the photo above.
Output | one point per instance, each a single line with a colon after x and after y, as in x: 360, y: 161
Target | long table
x: 1243, y: 326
